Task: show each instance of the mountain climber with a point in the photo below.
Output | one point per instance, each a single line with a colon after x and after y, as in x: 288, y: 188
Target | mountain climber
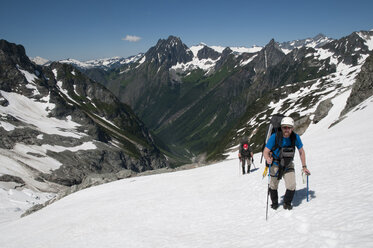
x: 244, y: 154
x: 279, y: 153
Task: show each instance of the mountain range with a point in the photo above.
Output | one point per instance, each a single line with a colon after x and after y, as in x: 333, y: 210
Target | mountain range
x: 195, y: 99
x: 69, y: 125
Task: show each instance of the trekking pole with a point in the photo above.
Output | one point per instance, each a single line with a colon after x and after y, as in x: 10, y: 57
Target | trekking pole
x: 239, y: 166
x: 269, y: 178
x: 254, y: 165
x: 307, y: 188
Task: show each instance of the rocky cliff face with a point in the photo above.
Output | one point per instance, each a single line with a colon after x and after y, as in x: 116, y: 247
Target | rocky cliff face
x: 363, y: 88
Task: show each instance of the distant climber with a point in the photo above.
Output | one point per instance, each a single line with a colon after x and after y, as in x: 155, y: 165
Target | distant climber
x: 245, y: 155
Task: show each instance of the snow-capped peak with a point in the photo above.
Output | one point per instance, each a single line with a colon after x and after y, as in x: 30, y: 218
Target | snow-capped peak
x: 106, y: 63
x: 40, y: 61
x: 315, y: 42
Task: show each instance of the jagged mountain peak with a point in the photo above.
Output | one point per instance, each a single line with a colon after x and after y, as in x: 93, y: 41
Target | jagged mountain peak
x: 352, y: 48
x: 227, y: 50
x: 14, y: 53
x: 169, y: 52
x: 272, y: 44
x: 319, y: 36
x: 207, y: 52
x: 270, y: 55
x: 171, y: 41
x: 172, y: 38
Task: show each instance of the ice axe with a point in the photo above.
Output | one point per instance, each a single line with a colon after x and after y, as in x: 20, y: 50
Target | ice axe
x: 253, y: 164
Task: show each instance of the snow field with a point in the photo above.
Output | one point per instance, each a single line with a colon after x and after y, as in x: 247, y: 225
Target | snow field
x: 215, y: 206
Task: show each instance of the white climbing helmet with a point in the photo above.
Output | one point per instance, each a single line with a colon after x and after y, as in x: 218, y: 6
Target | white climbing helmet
x: 287, y: 121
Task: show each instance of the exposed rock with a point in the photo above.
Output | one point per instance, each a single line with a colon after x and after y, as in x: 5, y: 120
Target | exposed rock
x: 363, y: 87
x: 302, y: 124
x: 208, y: 53
x: 322, y: 110
x: 10, y: 178
x: 348, y: 49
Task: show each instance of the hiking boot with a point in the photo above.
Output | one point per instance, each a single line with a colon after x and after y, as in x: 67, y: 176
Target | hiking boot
x: 288, y: 198
x: 274, y: 197
x: 274, y: 206
x: 288, y: 206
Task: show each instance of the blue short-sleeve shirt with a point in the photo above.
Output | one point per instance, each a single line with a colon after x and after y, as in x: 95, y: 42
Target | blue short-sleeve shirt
x: 285, y: 142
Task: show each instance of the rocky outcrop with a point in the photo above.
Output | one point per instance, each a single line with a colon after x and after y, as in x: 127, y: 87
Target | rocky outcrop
x: 208, y: 53
x: 302, y: 124
x: 10, y: 178
x: 322, y: 110
x: 363, y: 87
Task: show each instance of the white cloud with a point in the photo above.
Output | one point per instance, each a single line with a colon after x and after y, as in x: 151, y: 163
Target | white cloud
x: 132, y: 38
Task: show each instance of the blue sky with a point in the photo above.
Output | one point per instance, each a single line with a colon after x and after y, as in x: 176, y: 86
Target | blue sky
x: 86, y: 30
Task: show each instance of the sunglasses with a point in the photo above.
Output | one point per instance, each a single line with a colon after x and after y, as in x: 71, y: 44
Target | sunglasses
x: 285, y: 127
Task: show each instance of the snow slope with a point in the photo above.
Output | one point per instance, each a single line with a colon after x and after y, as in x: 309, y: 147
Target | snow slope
x: 215, y: 206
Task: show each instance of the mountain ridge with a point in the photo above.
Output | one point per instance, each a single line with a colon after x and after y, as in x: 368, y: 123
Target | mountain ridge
x: 107, y: 63
x: 60, y: 129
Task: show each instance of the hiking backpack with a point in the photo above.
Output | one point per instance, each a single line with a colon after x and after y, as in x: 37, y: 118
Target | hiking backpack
x: 274, y: 127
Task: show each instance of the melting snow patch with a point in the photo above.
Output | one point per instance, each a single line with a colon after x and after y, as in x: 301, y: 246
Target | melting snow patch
x: 323, y: 54
x: 7, y: 126
x: 245, y: 62
x: 368, y: 40
x: 85, y: 146
x: 31, y: 80
x: 35, y: 114
x: 65, y: 92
